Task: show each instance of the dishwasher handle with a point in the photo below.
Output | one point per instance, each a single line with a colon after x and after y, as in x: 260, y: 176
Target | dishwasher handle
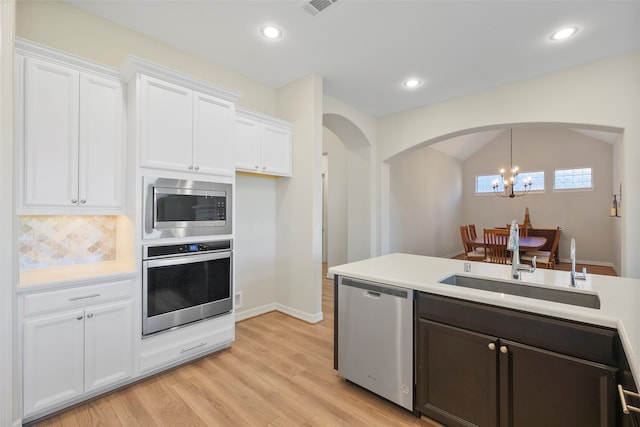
x: 372, y: 294
x: 375, y: 290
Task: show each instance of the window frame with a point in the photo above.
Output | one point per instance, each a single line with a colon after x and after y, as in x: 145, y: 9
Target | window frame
x: 575, y: 189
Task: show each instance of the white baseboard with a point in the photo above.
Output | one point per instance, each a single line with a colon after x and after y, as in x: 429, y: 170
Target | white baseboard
x: 253, y: 312
x: 309, y: 318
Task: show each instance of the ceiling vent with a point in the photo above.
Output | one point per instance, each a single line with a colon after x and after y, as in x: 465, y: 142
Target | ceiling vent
x: 314, y: 7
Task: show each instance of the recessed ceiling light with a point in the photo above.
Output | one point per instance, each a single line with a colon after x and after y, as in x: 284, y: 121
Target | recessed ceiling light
x: 564, y: 33
x: 271, y: 32
x: 412, y: 83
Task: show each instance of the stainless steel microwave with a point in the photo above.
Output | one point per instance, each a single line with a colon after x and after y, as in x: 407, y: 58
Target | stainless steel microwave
x: 182, y: 208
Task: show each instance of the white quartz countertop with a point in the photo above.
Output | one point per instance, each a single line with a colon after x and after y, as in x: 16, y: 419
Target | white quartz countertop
x: 619, y: 296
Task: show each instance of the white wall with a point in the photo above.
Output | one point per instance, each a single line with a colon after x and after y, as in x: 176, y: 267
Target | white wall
x: 583, y: 215
x: 359, y: 203
x: 299, y: 204
x: 616, y: 184
x: 337, y: 237
x: 255, y: 244
x: 601, y: 94
x: 425, y: 203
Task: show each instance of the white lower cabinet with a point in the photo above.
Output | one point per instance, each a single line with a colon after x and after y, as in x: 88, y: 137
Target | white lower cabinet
x: 173, y: 347
x: 74, y: 351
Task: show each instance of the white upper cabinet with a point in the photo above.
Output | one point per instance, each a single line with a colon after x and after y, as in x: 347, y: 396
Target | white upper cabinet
x: 247, y: 141
x: 70, y: 125
x: 51, y: 128
x: 166, y: 125
x: 262, y: 144
x: 101, y: 148
x: 185, y: 125
x: 213, y: 135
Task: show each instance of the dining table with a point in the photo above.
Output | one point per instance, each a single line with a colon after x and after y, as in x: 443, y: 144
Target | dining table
x: 526, y: 244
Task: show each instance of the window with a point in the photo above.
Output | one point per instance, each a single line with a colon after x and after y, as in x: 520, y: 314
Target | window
x: 484, y: 183
x: 571, y: 179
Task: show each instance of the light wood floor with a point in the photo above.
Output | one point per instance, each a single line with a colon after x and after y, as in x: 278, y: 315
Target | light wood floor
x: 278, y: 372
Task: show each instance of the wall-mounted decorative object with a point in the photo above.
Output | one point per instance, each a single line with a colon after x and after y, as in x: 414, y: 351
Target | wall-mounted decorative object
x: 616, y: 205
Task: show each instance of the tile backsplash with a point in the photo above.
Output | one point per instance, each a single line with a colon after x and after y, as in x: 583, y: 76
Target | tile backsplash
x: 52, y: 241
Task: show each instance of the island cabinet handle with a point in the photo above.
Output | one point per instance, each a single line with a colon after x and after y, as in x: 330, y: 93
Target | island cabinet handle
x: 492, y: 346
x: 504, y: 349
x: 627, y: 409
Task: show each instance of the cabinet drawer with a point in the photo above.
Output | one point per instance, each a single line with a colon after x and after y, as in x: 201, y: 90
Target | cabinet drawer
x: 44, y: 302
x: 165, y: 352
x: 589, y: 342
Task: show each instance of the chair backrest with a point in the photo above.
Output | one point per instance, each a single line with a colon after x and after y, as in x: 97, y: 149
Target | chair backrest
x: 495, y: 245
x: 523, y: 231
x: 556, y: 242
x: 464, y: 236
x: 472, y: 231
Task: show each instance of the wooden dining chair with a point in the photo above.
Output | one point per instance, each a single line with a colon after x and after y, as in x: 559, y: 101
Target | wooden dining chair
x: 472, y: 231
x: 523, y: 231
x: 495, y: 245
x: 470, y: 253
x: 546, y: 258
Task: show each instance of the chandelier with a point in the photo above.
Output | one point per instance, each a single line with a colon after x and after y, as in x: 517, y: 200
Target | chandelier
x: 510, y: 182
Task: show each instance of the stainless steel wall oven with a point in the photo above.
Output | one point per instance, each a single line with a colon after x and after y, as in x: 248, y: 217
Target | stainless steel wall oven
x: 184, y: 283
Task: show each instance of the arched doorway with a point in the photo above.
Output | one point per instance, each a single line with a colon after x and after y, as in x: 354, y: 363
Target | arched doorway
x: 347, y: 200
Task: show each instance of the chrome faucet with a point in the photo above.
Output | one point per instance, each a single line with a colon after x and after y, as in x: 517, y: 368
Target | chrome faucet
x: 513, y: 245
x: 575, y: 275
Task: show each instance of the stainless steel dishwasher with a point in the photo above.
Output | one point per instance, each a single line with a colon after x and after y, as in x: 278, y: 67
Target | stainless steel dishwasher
x: 375, y: 338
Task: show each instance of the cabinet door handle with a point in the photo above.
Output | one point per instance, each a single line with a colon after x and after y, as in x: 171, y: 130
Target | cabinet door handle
x: 257, y: 167
x: 623, y: 400
x: 74, y: 201
x: 190, y: 167
x: 82, y: 201
x: 504, y: 349
x: 89, y: 316
x: 184, y: 350
x: 492, y: 346
x: 197, y: 168
x: 79, y: 317
x: 84, y: 297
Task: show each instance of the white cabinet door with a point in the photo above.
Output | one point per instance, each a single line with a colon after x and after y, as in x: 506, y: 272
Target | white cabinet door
x: 276, y: 150
x: 108, y: 344
x: 101, y: 149
x: 166, y: 125
x: 53, y: 359
x: 212, y: 135
x: 247, y: 145
x: 50, y: 135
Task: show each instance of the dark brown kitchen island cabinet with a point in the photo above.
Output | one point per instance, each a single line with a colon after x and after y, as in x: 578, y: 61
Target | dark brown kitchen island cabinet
x: 468, y: 374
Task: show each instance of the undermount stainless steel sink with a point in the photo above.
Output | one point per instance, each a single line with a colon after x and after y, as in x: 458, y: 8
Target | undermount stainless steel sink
x: 568, y: 296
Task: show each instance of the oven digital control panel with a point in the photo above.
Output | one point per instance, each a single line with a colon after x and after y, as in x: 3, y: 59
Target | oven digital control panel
x: 155, y: 251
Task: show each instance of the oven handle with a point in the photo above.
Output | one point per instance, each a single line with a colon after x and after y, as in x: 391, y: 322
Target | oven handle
x: 186, y: 259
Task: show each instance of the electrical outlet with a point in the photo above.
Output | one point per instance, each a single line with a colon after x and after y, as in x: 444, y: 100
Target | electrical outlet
x: 238, y: 299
